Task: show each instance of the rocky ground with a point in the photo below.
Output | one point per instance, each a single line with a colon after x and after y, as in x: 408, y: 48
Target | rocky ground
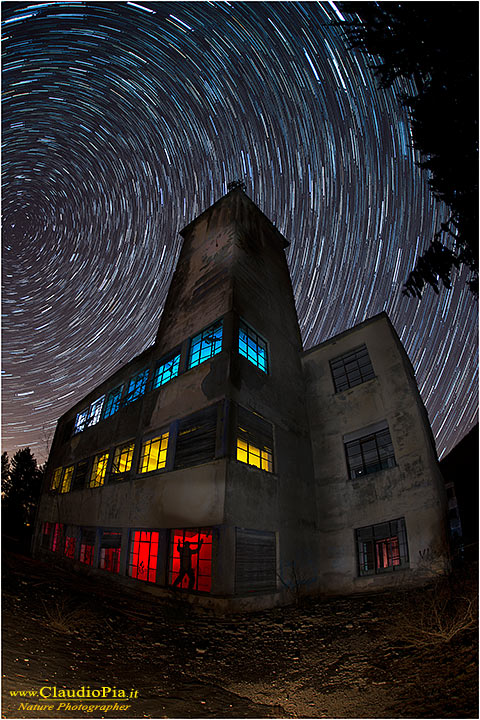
x: 391, y: 655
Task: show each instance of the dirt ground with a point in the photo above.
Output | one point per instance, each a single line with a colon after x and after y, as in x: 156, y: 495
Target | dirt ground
x: 322, y: 658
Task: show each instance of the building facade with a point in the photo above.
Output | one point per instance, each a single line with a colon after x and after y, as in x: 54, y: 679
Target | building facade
x: 227, y: 463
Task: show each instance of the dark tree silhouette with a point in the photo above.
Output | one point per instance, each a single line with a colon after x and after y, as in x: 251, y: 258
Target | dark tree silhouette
x: 20, y: 493
x: 436, y: 46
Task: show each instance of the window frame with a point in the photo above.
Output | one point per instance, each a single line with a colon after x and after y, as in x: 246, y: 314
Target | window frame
x: 70, y: 542
x: 89, y: 416
x: 173, y: 556
x: 112, y: 399
x: 56, y: 479
x: 258, y: 434
x: 162, y: 436
x: 85, y: 478
x: 252, y: 334
x: 87, y: 535
x: 358, y: 441
x: 203, y: 334
x: 346, y: 380
x: 129, y: 446
x: 132, y: 395
x: 117, y: 555
x: 152, y: 569
x: 95, y: 411
x: 67, y: 477
x: 173, y: 357
x: 79, y: 426
x: 387, y: 539
x: 96, y: 461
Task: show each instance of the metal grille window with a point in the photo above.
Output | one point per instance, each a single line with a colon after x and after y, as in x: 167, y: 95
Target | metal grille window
x: 142, y: 562
x: 252, y: 346
x: 67, y: 479
x: 99, y: 469
x: 110, y: 548
x: 254, y: 440
x: 165, y: 371
x: 122, y: 458
x: 154, y: 454
x: 112, y: 402
x: 136, y: 386
x: 382, y: 548
x: 196, y: 438
x: 352, y: 368
x: 190, y: 559
x: 370, y: 453
x: 81, y: 474
x: 206, y: 344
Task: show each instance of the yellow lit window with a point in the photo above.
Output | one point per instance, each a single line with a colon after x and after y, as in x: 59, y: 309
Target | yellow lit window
x: 248, y: 453
x: 97, y: 477
x: 122, y: 460
x: 67, y: 479
x: 57, y: 476
x: 154, y: 454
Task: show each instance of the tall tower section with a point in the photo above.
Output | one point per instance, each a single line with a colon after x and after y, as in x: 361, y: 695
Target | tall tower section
x: 232, y: 280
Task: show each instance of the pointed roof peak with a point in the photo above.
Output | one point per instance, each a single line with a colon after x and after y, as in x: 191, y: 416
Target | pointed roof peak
x: 236, y: 194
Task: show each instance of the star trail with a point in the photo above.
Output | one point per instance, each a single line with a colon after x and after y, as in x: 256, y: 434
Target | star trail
x: 122, y: 121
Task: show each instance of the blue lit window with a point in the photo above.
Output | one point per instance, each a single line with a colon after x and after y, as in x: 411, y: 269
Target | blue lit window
x: 81, y: 421
x: 165, y: 371
x: 113, y: 401
x: 252, y: 346
x: 95, y: 411
x: 136, y: 386
x: 206, y: 344
x: 89, y: 416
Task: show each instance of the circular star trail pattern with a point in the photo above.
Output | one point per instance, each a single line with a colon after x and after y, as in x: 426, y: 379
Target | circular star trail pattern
x: 123, y: 121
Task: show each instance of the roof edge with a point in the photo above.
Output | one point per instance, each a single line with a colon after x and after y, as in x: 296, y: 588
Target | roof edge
x: 375, y: 318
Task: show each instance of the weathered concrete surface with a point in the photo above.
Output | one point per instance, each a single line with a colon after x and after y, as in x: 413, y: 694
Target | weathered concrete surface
x: 413, y: 489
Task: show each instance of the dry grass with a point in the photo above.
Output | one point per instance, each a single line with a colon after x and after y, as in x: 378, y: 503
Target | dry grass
x: 69, y: 620
x: 440, y: 613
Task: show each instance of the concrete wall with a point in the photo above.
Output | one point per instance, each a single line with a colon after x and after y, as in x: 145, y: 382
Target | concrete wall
x: 190, y: 497
x: 413, y: 489
x: 282, y: 501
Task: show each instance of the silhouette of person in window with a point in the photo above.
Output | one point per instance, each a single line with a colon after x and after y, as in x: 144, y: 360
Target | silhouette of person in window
x: 186, y: 568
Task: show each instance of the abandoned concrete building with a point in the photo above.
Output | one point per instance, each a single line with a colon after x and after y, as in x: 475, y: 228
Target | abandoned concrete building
x: 227, y: 463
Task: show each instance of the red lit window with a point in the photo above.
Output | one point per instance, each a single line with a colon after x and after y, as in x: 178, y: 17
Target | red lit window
x: 110, y: 559
x: 382, y: 547
x: 47, y: 534
x: 70, y: 543
x: 87, y: 546
x: 110, y: 549
x: 190, y: 561
x: 57, y: 539
x: 142, y: 563
x: 388, y: 552
x: 86, y: 554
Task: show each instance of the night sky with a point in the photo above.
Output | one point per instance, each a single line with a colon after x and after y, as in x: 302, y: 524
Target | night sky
x: 123, y: 121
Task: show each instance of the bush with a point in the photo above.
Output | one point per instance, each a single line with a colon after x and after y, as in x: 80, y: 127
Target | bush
x: 441, y: 612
